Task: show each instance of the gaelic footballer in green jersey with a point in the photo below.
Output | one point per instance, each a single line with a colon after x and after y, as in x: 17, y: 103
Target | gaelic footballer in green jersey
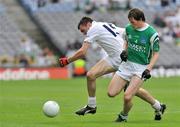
x: 142, y: 49
x: 141, y: 43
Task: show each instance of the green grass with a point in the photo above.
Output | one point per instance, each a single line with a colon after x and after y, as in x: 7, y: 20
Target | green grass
x: 21, y: 104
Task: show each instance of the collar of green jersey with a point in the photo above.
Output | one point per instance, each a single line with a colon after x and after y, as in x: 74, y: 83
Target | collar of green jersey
x: 143, y: 28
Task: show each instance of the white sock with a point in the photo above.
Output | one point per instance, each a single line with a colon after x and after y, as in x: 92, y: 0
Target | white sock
x: 157, y: 105
x: 92, y: 102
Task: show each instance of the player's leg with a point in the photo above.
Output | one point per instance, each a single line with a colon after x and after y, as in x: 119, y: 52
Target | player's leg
x: 131, y: 90
x: 116, y: 85
x: 146, y: 96
x: 134, y: 85
x: 99, y: 69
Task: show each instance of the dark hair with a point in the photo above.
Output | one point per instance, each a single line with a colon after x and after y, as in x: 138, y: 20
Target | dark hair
x: 137, y: 14
x: 84, y: 21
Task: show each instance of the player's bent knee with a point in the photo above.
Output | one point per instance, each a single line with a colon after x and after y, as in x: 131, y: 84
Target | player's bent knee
x: 90, y: 75
x: 110, y: 94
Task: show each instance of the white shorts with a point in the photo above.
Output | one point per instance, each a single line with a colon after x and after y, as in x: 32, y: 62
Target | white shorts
x: 128, y: 69
x: 113, y: 61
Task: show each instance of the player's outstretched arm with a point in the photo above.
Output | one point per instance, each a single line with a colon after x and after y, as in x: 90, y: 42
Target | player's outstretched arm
x: 63, y: 61
x: 146, y: 74
x: 154, y: 59
x: 77, y: 55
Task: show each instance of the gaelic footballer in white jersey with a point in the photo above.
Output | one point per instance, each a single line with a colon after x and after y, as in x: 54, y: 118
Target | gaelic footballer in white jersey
x: 108, y: 37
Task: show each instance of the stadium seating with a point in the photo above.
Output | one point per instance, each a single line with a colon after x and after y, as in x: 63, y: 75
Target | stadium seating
x: 11, y: 39
x: 61, y: 27
x: 32, y: 6
x: 10, y: 36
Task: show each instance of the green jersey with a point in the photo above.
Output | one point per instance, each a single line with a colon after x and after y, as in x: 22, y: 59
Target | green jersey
x: 141, y: 43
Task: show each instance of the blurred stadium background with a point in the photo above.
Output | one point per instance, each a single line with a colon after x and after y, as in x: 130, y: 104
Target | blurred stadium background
x: 35, y: 33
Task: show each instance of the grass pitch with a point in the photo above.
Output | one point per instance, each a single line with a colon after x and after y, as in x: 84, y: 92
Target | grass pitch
x: 21, y: 104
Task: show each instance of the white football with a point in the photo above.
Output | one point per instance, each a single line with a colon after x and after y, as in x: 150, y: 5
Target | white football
x: 51, y: 108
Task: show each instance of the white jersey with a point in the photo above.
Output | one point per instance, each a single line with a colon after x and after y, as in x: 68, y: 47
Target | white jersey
x: 108, y: 36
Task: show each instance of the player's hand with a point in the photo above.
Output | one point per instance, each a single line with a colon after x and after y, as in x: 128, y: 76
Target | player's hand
x: 146, y: 74
x: 63, y: 61
x: 124, y: 55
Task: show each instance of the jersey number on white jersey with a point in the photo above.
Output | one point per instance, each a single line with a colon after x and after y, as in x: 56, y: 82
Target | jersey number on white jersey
x: 111, y: 28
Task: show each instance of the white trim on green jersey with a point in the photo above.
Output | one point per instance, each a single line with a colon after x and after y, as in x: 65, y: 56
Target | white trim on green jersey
x: 143, y: 28
x: 153, y: 37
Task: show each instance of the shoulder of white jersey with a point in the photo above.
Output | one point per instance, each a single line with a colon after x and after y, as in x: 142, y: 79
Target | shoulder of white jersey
x: 94, y: 28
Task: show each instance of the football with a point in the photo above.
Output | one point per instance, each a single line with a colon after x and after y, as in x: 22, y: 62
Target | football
x: 51, y: 108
